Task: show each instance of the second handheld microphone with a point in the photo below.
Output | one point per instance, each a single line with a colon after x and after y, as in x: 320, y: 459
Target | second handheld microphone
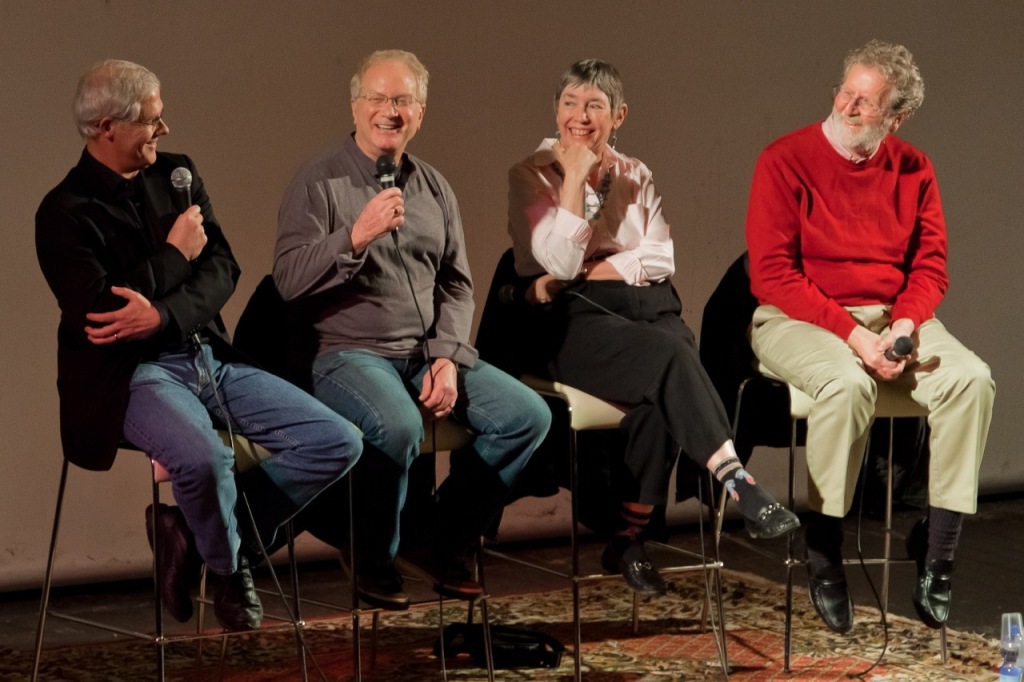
x: 901, y: 348
x: 386, y: 170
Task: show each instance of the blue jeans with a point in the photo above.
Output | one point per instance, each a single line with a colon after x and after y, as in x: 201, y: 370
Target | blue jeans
x: 178, y: 402
x: 380, y: 396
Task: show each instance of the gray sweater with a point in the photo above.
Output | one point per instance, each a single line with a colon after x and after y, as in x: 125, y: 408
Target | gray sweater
x: 366, y: 302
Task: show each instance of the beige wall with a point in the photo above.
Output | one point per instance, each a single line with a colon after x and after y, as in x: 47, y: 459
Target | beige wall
x: 251, y: 89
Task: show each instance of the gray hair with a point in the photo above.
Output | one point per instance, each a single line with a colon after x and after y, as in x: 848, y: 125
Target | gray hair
x: 408, y: 58
x: 598, y: 74
x: 897, y: 66
x: 112, y: 89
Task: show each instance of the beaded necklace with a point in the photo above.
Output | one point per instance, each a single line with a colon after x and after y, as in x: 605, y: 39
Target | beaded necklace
x: 593, y: 208
x: 595, y: 199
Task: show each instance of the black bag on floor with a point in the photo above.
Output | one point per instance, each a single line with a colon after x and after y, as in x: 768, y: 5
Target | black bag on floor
x: 513, y: 647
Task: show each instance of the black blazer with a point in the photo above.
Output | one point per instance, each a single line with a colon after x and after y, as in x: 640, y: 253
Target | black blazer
x: 87, y: 241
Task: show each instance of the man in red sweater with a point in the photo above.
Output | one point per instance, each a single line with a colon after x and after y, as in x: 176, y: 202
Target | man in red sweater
x: 847, y: 245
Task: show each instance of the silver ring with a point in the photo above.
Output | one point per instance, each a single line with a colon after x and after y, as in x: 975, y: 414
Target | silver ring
x: 115, y: 336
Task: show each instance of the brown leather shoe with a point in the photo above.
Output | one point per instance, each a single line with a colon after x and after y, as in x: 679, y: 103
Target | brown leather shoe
x: 450, y: 578
x: 380, y: 584
x: 179, y: 560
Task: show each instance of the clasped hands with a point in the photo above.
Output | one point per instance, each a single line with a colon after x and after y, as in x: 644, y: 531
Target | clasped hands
x: 871, y: 348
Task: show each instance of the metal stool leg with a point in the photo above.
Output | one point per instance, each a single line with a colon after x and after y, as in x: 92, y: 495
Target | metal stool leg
x: 357, y: 652
x: 293, y: 567
x: 790, y: 561
x: 45, y: 601
x: 484, y: 617
x: 577, y: 633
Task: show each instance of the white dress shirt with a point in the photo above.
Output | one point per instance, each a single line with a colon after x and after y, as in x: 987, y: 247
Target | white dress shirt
x: 629, y: 230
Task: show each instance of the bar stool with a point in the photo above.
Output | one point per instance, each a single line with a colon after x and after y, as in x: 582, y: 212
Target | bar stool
x: 279, y: 337
x: 440, y: 435
x: 247, y: 456
x: 890, y: 404
x: 585, y: 413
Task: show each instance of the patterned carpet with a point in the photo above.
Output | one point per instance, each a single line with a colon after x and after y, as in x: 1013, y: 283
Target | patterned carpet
x: 669, y: 646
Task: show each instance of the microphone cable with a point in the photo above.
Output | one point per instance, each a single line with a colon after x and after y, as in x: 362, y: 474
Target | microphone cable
x: 423, y: 326
x: 197, y: 346
x: 597, y: 305
x: 860, y: 555
x: 433, y: 438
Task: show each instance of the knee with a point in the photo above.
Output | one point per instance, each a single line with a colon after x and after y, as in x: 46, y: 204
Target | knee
x: 398, y: 436
x: 202, y: 467
x: 344, y: 436
x: 853, y: 388
x: 971, y: 380
x: 533, y: 416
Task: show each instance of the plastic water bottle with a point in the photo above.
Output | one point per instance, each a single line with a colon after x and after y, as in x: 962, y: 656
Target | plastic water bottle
x: 1009, y: 646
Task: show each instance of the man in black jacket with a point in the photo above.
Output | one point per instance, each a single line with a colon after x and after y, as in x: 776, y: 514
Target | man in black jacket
x: 141, y: 270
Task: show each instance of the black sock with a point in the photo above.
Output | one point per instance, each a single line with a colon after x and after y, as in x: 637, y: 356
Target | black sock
x: 823, y: 536
x: 943, y: 532
x: 750, y: 498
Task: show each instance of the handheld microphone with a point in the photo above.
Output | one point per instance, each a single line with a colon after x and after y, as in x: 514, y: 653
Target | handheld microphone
x: 181, y: 181
x: 386, y: 171
x: 901, y: 348
x: 510, y: 294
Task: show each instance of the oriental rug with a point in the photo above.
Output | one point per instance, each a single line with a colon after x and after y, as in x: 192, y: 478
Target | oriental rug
x: 670, y: 644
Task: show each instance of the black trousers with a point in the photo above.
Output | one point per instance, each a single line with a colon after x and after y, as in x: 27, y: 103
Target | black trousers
x: 628, y: 345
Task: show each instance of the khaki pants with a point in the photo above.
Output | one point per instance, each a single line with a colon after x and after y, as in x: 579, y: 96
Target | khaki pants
x: 953, y: 383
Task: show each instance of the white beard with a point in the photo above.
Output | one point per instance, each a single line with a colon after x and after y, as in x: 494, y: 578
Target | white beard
x: 863, y: 141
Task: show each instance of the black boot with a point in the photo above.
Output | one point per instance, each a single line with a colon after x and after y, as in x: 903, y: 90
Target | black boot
x: 235, y: 602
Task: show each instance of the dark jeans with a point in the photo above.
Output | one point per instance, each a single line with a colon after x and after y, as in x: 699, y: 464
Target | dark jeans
x: 379, y: 395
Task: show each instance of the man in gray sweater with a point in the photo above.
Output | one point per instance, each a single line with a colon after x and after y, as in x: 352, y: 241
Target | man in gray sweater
x: 370, y: 241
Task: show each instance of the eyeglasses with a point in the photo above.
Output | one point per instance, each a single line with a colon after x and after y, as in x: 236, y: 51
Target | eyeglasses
x: 379, y: 100
x: 154, y: 122
x: 843, y: 98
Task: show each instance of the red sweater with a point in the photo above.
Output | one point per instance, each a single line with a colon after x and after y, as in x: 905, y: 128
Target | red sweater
x: 824, y: 232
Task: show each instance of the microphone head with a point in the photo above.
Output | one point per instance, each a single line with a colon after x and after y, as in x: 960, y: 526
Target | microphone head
x: 385, y: 165
x: 181, y: 178
x: 903, y: 345
x: 386, y: 171
x: 507, y: 294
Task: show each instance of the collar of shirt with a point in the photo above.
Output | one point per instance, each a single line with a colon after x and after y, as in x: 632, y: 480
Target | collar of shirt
x: 111, y: 181
x: 405, y: 166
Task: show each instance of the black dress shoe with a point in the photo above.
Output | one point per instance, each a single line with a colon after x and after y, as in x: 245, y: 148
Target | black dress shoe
x: 831, y: 596
x: 934, y: 589
x: 771, y: 522
x: 628, y: 557
x: 235, y: 602
x: 380, y: 584
x: 179, y: 560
